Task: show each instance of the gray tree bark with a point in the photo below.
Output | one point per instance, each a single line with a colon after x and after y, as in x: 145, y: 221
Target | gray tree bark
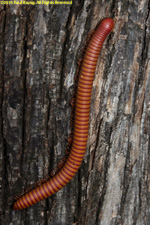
x: 39, y: 48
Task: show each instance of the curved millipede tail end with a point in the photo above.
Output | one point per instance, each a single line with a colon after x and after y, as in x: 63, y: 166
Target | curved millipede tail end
x: 15, y: 206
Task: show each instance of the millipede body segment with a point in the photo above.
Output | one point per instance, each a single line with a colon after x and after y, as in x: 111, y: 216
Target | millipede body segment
x: 81, y: 122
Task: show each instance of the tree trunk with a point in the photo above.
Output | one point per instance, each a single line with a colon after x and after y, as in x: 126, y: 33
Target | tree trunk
x: 39, y: 48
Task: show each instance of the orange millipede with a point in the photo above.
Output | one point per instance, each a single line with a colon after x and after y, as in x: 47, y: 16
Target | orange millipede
x: 80, y: 122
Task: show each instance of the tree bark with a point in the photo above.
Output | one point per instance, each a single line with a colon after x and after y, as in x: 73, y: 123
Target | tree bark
x: 39, y: 48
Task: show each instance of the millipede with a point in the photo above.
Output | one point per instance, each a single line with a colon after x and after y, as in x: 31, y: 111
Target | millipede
x: 69, y: 166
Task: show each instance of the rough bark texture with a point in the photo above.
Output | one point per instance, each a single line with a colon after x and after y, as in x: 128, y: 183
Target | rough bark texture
x: 39, y: 47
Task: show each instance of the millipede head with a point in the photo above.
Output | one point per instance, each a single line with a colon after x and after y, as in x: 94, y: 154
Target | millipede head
x: 108, y: 24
